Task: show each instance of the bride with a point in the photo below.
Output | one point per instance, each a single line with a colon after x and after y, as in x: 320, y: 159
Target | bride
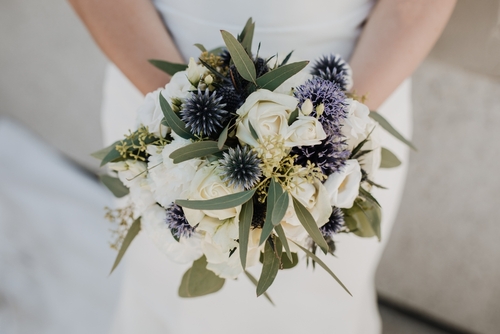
x: 384, y: 42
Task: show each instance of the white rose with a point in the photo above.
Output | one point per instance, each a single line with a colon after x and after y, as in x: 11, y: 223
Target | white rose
x: 343, y: 186
x: 178, y: 87
x: 183, y: 251
x: 268, y: 112
x: 151, y: 115
x: 305, y: 131
x: 357, y: 120
x: 195, y: 72
x: 207, y: 184
x: 170, y: 181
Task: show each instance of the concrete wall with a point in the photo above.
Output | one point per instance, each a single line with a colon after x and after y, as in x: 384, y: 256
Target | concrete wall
x: 443, y: 257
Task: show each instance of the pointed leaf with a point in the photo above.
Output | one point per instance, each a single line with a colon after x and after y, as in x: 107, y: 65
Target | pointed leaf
x: 273, y: 79
x: 323, y: 265
x: 114, y: 185
x: 200, y: 47
x: 247, y: 36
x: 252, y: 131
x: 369, y: 197
x: 244, y: 64
x: 255, y: 282
x: 287, y: 58
x: 270, y: 266
x: 293, y: 116
x: 389, y: 128
x: 219, y: 203
x: 103, y: 152
x: 246, y: 215
x: 373, y: 214
x: 307, y: 220
x: 112, y: 155
x: 194, y: 150
x: 212, y: 70
x: 281, y: 234
x: 168, y: 67
x: 222, y: 138
x: 273, y: 193
x: 199, y: 281
x: 286, y: 263
x: 173, y: 120
x: 363, y: 219
x: 131, y: 234
x: 280, y: 208
x: 389, y: 160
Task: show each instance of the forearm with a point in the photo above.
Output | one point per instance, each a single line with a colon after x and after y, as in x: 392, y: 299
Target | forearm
x: 130, y: 32
x: 397, y: 37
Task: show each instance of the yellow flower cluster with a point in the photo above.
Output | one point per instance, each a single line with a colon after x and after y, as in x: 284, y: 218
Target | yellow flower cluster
x: 135, y: 144
x: 122, y: 218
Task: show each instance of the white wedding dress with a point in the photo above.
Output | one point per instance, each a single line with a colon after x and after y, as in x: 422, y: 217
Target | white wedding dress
x: 307, y: 300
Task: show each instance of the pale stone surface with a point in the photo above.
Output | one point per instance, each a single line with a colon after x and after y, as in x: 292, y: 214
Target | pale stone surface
x: 444, y: 253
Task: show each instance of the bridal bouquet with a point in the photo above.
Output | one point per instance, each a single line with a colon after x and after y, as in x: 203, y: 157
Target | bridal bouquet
x: 242, y: 159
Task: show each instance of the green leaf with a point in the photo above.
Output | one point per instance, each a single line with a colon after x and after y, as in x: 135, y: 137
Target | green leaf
x: 307, y: 220
x: 280, y: 208
x: 168, y: 67
x: 222, y: 138
x: 211, y: 69
x: 246, y: 36
x: 255, y: 282
x: 389, y: 160
x: 131, y: 234
x: 112, y: 155
x: 200, y: 47
x: 246, y: 215
x: 363, y: 219
x: 103, y: 152
x: 273, y: 193
x: 273, y: 79
x: 389, y: 128
x: 217, y: 50
x: 252, y: 131
x: 287, y: 58
x: 173, y: 120
x: 373, y: 215
x: 270, y: 267
x: 360, y: 145
x: 199, y: 281
x: 286, y: 263
x: 219, y: 203
x: 323, y: 265
x: 281, y: 234
x: 369, y: 197
x: 194, y: 150
x: 244, y: 64
x: 293, y: 116
x: 114, y: 185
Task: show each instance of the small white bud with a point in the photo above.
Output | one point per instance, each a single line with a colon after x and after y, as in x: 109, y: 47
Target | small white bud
x: 209, y: 79
x: 307, y: 107
x: 320, y: 109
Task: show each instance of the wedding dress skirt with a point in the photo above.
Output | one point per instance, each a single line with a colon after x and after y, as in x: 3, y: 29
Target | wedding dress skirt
x: 307, y: 300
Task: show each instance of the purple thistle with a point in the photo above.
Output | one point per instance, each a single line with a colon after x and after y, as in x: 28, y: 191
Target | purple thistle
x: 334, y: 224
x: 333, y: 68
x: 177, y: 222
x: 321, y: 91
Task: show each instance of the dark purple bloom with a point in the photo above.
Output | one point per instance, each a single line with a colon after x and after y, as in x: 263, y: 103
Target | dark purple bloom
x: 177, y: 222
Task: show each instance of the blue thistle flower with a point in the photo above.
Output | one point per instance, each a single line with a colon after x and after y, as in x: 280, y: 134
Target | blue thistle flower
x: 333, y: 68
x: 204, y: 113
x: 330, y: 155
x: 321, y: 91
x: 240, y: 167
x: 334, y: 224
x: 177, y: 222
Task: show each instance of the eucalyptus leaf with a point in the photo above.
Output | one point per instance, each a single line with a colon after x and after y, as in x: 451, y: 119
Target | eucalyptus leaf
x: 244, y: 64
x: 200, y: 47
x: 218, y: 50
x: 315, y: 258
x: 255, y: 282
x: 222, y: 138
x: 168, y: 67
x: 114, y: 185
x: 389, y: 160
x: 273, y: 79
x: 389, y: 128
x: 293, y: 116
x: 281, y: 234
x: 369, y: 197
x: 307, y: 220
x: 245, y: 224
x: 212, y: 70
x: 173, y: 120
x: 373, y: 215
x: 131, y: 234
x: 270, y: 267
x: 199, y: 281
x: 103, y: 152
x: 112, y: 155
x: 287, y: 58
x: 252, y: 131
x: 286, y: 263
x: 247, y: 36
x: 363, y: 219
x: 273, y: 193
x: 194, y: 150
x: 280, y: 208
x: 219, y: 203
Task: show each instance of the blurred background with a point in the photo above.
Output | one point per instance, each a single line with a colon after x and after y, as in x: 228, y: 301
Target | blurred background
x: 440, y: 272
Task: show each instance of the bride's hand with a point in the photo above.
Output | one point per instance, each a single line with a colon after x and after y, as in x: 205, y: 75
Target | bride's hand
x: 130, y: 32
x: 397, y: 37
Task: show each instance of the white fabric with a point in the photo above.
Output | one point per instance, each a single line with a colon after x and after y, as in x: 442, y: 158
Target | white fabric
x: 306, y: 301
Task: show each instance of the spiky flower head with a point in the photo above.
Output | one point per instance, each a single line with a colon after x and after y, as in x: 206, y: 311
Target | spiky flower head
x: 225, y: 56
x: 328, y: 94
x: 329, y: 156
x: 177, y: 222
x: 334, y: 224
x: 240, y: 167
x: 232, y: 98
x: 204, y: 113
x: 335, y: 69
